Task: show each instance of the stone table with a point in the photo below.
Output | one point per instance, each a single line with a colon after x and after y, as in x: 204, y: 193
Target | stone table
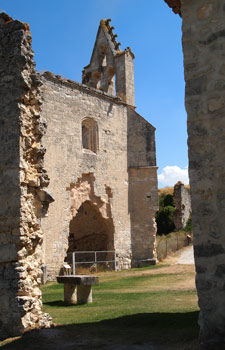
x: 77, y: 288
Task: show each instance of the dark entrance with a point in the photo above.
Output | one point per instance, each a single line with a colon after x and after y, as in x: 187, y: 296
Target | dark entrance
x: 89, y: 230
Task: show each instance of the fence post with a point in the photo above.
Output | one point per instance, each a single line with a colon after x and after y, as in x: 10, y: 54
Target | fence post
x: 114, y: 260
x: 166, y: 246
x: 177, y: 242
x: 96, y: 261
x: 74, y: 268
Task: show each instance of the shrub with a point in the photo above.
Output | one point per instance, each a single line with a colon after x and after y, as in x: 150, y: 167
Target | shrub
x: 168, y: 200
x: 164, y: 220
x: 188, y: 226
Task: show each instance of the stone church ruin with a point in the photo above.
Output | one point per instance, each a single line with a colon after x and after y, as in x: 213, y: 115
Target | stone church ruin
x: 99, y: 154
x: 100, y: 157
x: 24, y: 198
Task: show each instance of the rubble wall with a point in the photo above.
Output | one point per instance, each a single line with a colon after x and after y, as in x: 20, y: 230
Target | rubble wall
x: 22, y: 179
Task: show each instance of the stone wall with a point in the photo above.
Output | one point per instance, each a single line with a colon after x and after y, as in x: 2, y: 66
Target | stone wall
x: 182, y: 202
x: 22, y: 179
x: 204, y: 68
x: 143, y: 204
x: 143, y: 188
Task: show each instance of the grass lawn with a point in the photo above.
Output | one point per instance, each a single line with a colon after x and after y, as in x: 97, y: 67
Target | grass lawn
x: 139, y: 306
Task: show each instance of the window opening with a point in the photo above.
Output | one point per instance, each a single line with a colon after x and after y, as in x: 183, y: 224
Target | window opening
x: 90, y: 135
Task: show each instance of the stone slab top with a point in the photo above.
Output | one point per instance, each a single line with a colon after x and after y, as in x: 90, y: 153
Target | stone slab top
x: 83, y: 280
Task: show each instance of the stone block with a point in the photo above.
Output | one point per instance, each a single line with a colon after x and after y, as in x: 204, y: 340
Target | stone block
x: 8, y: 252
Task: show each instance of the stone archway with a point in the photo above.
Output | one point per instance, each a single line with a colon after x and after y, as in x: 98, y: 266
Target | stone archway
x: 91, y: 226
x: 89, y: 231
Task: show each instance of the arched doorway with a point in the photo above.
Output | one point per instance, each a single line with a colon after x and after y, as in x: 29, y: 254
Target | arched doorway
x: 89, y: 231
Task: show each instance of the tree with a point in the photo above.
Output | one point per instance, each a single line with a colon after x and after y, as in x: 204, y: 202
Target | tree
x: 164, y: 217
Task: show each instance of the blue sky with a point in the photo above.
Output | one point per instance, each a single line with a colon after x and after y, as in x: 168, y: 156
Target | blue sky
x: 63, y: 35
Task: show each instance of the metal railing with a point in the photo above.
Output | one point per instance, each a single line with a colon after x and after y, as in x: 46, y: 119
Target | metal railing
x: 95, y: 261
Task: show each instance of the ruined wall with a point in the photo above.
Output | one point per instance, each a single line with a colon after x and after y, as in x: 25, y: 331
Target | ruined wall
x: 182, y: 202
x: 143, y: 188
x: 204, y: 68
x: 22, y: 178
x: 109, y: 67
x: 65, y: 105
x: 91, y: 227
x: 143, y: 204
x: 140, y: 141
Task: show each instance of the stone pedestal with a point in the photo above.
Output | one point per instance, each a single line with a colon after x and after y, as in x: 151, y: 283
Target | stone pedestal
x: 70, y: 293
x: 84, y: 294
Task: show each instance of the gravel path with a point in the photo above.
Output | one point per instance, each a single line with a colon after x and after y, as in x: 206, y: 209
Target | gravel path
x: 186, y: 256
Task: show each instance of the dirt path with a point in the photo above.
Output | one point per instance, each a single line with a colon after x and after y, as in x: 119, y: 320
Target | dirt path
x: 186, y: 256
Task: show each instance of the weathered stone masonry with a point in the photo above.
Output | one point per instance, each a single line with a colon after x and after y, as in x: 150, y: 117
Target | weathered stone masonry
x: 22, y: 179
x: 204, y: 68
x: 182, y: 202
x: 101, y: 161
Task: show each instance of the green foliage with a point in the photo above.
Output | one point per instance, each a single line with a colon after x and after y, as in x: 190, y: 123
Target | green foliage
x: 188, y: 226
x: 165, y: 200
x: 164, y: 217
x: 164, y: 220
x: 168, y: 200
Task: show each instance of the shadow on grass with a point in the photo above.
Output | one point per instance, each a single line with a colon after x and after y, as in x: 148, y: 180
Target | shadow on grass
x: 163, y: 329
x: 59, y: 303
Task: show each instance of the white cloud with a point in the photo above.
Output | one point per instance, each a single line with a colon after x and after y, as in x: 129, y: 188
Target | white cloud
x: 171, y: 174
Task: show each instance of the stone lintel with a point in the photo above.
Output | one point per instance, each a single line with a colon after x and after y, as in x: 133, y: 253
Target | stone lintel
x: 143, y: 167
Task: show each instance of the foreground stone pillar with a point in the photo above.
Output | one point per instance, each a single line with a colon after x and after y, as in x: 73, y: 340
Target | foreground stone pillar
x: 22, y: 179
x: 204, y: 68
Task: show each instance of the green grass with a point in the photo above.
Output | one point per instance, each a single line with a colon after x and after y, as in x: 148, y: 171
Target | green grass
x: 108, y: 305
x: 118, y: 295
x: 129, y: 307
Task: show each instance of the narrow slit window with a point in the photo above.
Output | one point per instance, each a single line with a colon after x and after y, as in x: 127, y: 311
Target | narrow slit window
x: 90, y: 135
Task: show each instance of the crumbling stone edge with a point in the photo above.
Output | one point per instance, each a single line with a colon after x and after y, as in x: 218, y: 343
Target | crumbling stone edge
x: 21, y: 235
